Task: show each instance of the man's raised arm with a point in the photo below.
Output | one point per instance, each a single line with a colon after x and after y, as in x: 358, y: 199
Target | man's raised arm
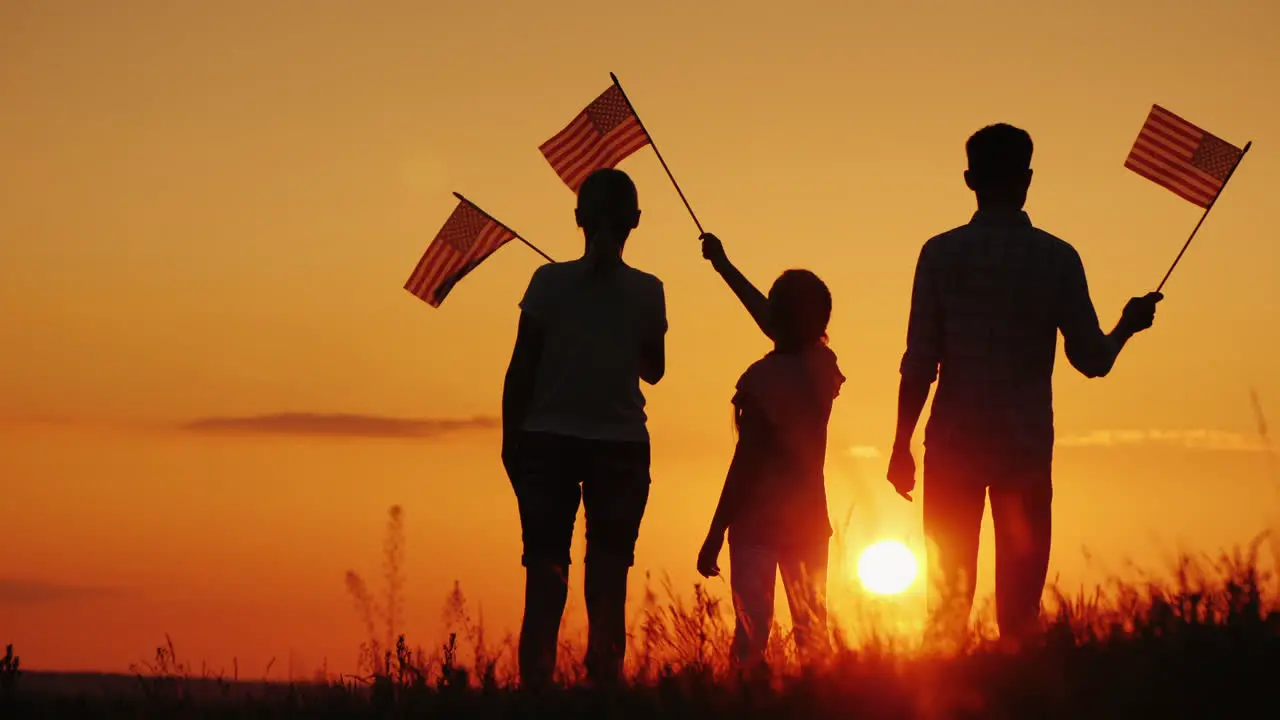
x: 1088, y: 349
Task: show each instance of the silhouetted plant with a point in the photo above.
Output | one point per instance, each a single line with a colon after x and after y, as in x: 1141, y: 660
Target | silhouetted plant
x: 10, y: 671
x: 376, y: 651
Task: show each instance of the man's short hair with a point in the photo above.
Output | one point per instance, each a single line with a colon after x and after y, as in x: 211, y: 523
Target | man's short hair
x: 999, y: 154
x: 608, y: 193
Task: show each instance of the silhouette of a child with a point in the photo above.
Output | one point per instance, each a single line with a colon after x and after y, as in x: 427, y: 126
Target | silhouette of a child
x: 774, y: 505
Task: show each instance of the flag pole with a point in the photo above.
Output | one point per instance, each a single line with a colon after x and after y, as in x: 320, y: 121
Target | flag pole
x: 532, y: 247
x: 656, y: 151
x: 1187, y: 244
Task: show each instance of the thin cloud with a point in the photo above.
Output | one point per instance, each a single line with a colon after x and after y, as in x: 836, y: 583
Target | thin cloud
x: 339, y: 425
x: 1199, y: 439
x: 34, y: 592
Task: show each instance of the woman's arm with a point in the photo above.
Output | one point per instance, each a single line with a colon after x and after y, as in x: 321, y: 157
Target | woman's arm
x: 517, y: 387
x: 653, y: 348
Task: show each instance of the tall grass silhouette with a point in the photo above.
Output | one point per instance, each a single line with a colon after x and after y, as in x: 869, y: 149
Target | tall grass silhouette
x: 382, y: 619
x: 1201, y: 639
x: 1127, y: 643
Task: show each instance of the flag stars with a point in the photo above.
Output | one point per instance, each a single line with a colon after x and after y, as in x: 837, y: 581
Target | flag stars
x: 463, y: 228
x: 609, y: 110
x: 1215, y: 156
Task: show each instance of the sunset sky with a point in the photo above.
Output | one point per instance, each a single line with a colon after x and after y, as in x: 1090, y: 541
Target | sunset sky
x: 207, y: 210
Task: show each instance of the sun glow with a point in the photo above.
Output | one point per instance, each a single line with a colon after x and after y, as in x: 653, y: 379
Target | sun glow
x: 887, y: 568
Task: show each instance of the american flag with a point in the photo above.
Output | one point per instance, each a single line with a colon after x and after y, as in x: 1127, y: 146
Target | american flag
x: 1177, y: 155
x: 601, y: 136
x: 467, y: 238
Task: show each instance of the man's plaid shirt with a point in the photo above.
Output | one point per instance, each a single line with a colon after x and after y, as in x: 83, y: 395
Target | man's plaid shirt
x: 988, y: 301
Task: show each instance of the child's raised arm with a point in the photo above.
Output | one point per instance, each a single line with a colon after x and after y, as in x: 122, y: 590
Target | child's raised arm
x: 752, y: 299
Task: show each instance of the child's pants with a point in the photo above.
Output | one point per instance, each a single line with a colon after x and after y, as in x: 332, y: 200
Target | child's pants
x: 753, y: 573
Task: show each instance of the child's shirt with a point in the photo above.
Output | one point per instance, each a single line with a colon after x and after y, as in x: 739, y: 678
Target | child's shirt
x: 588, y: 381
x: 783, y: 405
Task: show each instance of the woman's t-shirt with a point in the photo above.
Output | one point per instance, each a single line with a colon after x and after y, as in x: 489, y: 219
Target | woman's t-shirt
x: 783, y: 404
x: 588, y: 381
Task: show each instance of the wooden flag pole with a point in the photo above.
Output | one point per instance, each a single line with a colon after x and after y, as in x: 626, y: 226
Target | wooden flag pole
x: 657, y: 152
x: 1187, y: 244
x: 532, y: 247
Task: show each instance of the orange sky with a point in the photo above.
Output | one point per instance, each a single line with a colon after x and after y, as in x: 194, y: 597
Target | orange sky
x: 210, y: 212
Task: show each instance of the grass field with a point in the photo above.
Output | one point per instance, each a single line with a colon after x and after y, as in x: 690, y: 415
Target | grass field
x: 1203, y: 641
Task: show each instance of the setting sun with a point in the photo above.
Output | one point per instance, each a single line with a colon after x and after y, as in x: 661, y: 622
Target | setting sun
x: 887, y: 568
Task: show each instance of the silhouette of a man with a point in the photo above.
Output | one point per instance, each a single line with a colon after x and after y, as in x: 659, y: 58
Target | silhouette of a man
x: 574, y: 427
x: 988, y: 301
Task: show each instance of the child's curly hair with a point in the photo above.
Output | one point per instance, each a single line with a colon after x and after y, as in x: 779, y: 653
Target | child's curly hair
x: 799, y: 310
